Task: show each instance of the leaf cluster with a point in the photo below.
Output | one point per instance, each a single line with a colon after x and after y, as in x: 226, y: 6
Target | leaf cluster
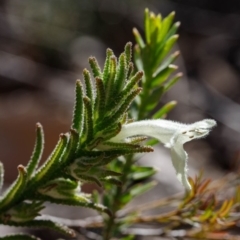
x: 152, y: 56
x: 155, y: 57
x: 101, y: 104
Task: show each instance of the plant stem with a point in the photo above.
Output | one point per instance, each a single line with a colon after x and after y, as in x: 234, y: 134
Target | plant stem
x: 110, y: 224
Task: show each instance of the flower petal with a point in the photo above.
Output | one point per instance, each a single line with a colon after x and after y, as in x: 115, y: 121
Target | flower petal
x: 179, y: 161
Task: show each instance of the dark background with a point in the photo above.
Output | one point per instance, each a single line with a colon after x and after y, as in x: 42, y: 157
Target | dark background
x: 44, y: 46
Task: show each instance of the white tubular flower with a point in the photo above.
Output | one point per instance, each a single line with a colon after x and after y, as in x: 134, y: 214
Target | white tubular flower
x: 173, y: 135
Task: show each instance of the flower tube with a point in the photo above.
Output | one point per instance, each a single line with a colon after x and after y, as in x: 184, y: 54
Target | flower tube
x: 172, y: 134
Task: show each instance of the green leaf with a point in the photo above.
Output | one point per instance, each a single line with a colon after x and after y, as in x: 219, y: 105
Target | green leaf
x: 91, y: 160
x: 88, y: 119
x: 52, y: 162
x: 89, y: 85
x: 172, y: 31
x: 152, y: 25
x: 107, y: 65
x: 147, y: 25
x: 24, y: 211
x: 125, y: 199
x: 166, y: 24
x: 109, y: 86
x: 95, y: 67
x: 78, y: 115
x: 117, y: 145
x: 96, y: 196
x: 128, y: 53
x: 172, y: 81
x: 167, y: 62
x: 138, y: 58
x: 111, y: 180
x: 19, y: 237
x: 132, y: 82
x: 150, y: 103
x: 37, y: 152
x: 79, y: 200
x: 100, y: 172
x: 111, y: 131
x: 129, y: 237
x: 141, y: 188
x: 107, y: 200
x: 130, y: 70
x: 163, y: 75
x: 162, y: 52
x: 70, y: 149
x: 116, y: 117
x: 100, y: 99
x: 14, y: 192
x: 113, y: 106
x: 165, y: 110
x: 46, y: 224
x: 121, y: 74
x: 138, y: 38
x: 140, y: 173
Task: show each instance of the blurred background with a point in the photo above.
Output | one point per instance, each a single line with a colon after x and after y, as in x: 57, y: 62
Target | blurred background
x: 44, y: 46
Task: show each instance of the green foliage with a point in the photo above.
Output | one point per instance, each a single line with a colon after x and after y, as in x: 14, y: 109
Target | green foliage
x: 155, y: 56
x: 81, y: 155
x: 154, y: 64
x: 104, y: 101
x: 19, y: 237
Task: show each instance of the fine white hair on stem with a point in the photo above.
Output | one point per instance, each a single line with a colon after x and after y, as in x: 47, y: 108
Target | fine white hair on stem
x: 173, y: 135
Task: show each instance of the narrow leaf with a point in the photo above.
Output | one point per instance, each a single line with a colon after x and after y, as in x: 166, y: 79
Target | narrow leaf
x: 167, y: 62
x: 107, y: 65
x: 162, y: 52
x: 112, y: 180
x: 132, y: 82
x: 130, y: 70
x: 89, y: 85
x: 138, y: 58
x: 128, y: 53
x: 138, y: 38
x: 89, y: 119
x: 70, y: 149
x: 172, y: 82
x: 139, y: 173
x: 121, y: 74
x: 15, y: 190
x: 166, y: 24
x: 83, y: 177
x: 78, y: 116
x: 163, y: 75
x: 110, y: 81
x: 152, y: 102
x: 46, y: 224
x: 141, y: 188
x: 81, y: 201
x: 37, y: 152
x: 100, y: 99
x: 123, y: 108
x: 165, y: 110
x: 52, y: 162
x: 95, y: 67
x: 19, y: 237
x: 172, y: 31
x: 147, y: 25
x: 152, y: 25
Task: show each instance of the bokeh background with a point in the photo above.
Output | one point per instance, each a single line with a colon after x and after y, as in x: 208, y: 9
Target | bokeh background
x: 44, y: 46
